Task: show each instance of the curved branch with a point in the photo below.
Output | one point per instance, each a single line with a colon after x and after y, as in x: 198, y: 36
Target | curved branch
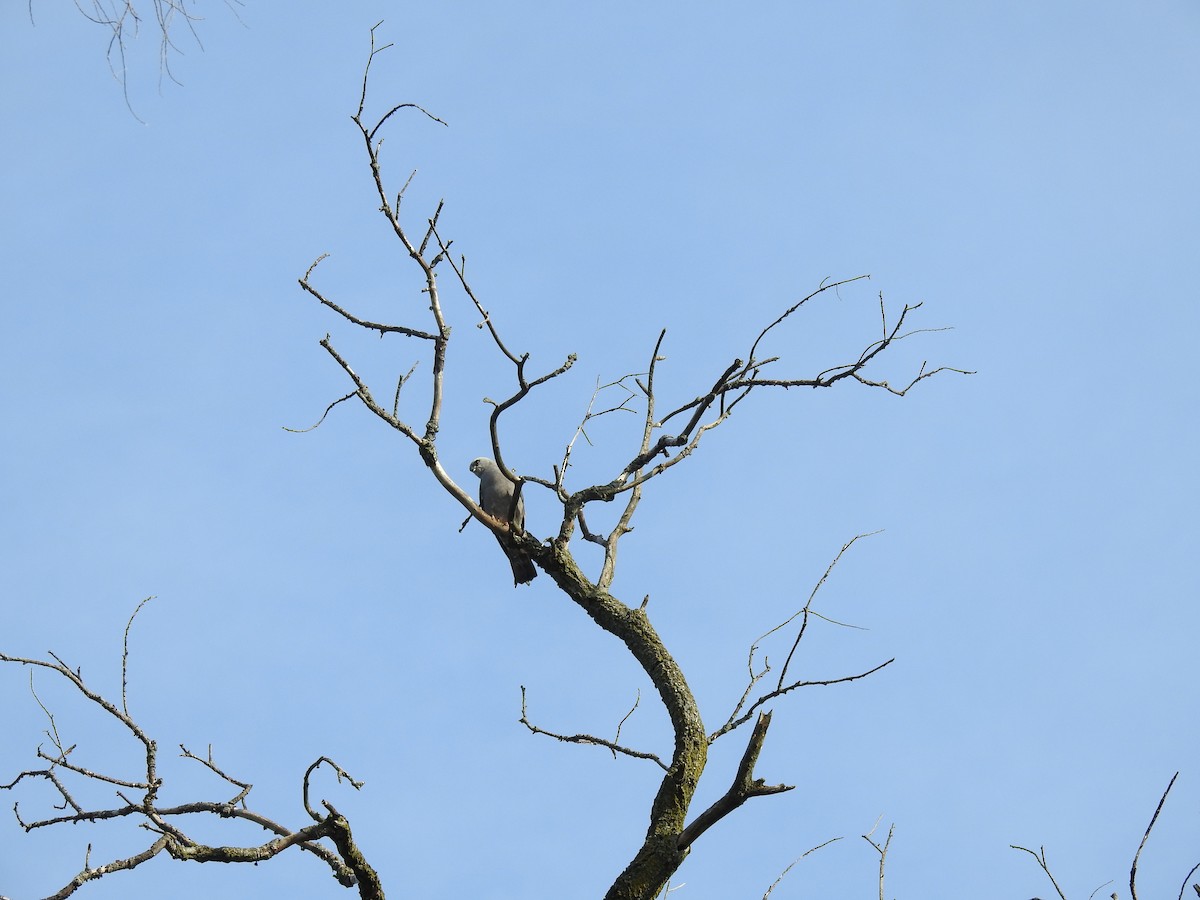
x: 362, y: 101
x: 338, y: 771
x: 1186, y: 879
x: 659, y: 854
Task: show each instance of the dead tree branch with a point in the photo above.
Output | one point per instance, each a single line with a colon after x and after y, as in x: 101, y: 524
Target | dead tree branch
x: 736, y: 718
x: 882, y: 850
x: 590, y: 739
x: 1145, y: 837
x: 744, y: 786
x: 123, y: 20
x: 669, y: 835
x: 1040, y: 856
x: 1186, y: 879
x: 792, y: 865
x: 1133, y: 868
x: 345, y: 862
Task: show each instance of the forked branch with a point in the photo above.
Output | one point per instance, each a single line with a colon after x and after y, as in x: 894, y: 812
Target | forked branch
x: 744, y: 786
x: 805, y: 613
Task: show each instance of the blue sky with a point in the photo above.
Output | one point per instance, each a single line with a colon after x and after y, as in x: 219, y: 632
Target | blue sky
x: 1028, y: 171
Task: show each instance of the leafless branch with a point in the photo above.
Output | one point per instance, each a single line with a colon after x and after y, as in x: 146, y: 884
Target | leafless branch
x: 400, y: 384
x: 125, y: 655
x: 670, y: 834
x: 590, y: 739
x: 623, y: 527
x: 62, y: 762
x: 581, y: 430
x: 636, y: 703
x: 123, y: 21
x: 745, y: 375
x: 793, y: 863
x: 317, y: 424
x: 364, y: 394
x: 1146, y: 837
x: 881, y: 850
x: 338, y: 771
x: 207, y: 762
x: 804, y: 613
x: 730, y: 388
x: 744, y: 786
x: 771, y: 695
x: 363, y: 323
x: 1041, y: 861
x: 825, y: 286
x: 736, y: 717
x: 524, y: 385
x: 151, y: 783
x: 375, y: 51
x: 117, y: 865
x: 52, y: 732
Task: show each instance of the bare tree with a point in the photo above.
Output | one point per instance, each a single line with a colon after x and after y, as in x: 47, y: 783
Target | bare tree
x: 664, y: 440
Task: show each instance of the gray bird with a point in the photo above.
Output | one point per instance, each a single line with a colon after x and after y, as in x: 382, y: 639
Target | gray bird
x: 495, y: 496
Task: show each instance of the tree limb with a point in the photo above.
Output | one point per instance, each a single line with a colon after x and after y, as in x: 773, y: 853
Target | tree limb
x: 744, y: 786
x: 589, y: 739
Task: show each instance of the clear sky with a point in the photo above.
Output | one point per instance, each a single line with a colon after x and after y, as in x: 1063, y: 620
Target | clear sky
x: 1029, y: 171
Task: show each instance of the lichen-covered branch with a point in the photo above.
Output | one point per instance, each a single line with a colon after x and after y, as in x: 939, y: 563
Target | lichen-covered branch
x: 744, y: 786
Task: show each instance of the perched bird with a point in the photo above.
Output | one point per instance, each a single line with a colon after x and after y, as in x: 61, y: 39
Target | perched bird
x: 495, y: 496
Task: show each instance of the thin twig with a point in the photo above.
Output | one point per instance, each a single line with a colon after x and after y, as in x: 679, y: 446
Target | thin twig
x: 317, y: 424
x: 125, y: 654
x: 775, y: 883
x: 1146, y: 837
x: 1041, y: 861
x: 588, y: 738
